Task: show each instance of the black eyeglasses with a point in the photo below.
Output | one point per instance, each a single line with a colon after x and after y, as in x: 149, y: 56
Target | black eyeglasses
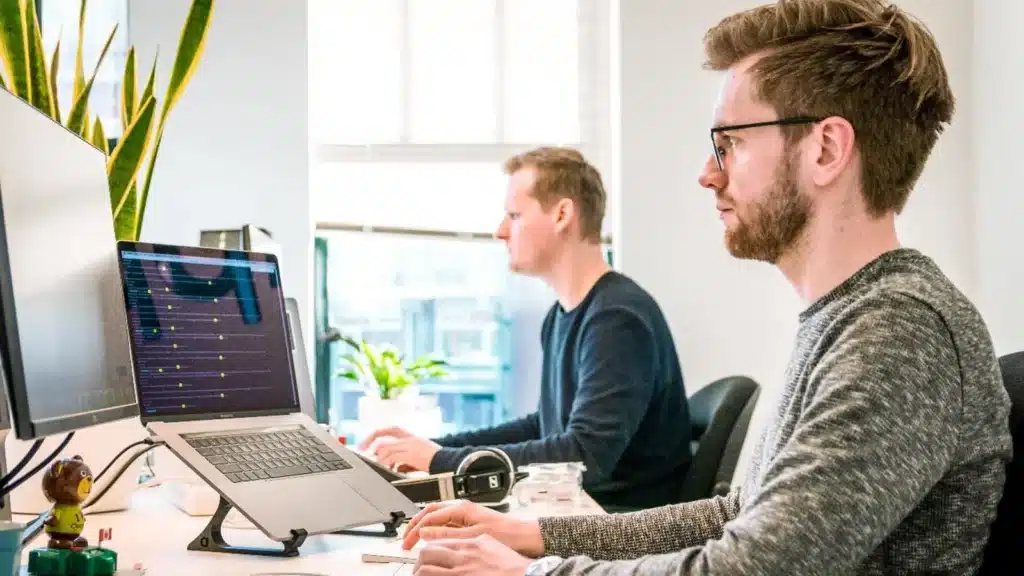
x: 720, y: 148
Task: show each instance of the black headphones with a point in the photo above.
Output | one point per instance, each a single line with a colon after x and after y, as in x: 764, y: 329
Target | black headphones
x: 486, y: 476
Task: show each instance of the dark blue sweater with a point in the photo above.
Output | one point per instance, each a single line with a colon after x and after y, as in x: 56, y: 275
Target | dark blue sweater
x: 611, y: 396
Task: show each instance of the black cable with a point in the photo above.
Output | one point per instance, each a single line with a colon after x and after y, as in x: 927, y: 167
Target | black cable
x: 113, y: 460
x: 121, y: 471
x: 35, y: 526
x: 24, y: 460
x: 7, y: 489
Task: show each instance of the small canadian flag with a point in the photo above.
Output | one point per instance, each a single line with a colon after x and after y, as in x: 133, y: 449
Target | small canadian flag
x: 106, y: 534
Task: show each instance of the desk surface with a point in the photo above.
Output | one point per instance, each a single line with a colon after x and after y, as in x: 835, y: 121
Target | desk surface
x: 155, y: 532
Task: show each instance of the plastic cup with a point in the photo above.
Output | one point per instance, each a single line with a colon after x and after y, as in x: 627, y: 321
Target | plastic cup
x: 10, y: 547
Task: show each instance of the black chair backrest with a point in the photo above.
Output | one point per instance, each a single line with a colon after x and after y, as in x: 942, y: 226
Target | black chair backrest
x: 719, y: 415
x: 1007, y: 532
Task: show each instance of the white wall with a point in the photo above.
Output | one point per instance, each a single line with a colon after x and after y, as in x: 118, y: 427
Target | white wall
x: 998, y: 121
x: 235, y: 149
x: 728, y: 316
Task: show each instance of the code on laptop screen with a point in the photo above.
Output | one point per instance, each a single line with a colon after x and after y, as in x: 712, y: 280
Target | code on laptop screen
x: 208, y: 334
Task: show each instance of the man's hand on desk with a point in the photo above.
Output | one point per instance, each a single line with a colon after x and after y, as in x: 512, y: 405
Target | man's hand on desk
x: 465, y: 520
x: 395, y: 445
x: 479, y: 555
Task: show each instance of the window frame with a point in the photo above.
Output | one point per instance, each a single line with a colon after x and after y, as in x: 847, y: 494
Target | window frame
x: 595, y: 72
x: 594, y: 93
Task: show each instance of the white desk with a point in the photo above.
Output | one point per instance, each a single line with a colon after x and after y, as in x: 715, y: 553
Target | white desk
x: 154, y: 532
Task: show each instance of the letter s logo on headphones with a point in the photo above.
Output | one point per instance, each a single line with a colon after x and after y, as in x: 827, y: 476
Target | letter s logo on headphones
x: 485, y: 476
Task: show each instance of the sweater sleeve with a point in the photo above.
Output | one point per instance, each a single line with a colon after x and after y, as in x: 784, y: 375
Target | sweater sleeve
x: 615, y: 375
x: 630, y: 535
x: 518, y: 430
x: 878, y: 431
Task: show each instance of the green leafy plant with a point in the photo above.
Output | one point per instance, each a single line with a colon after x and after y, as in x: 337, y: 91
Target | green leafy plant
x: 27, y: 74
x: 384, y: 368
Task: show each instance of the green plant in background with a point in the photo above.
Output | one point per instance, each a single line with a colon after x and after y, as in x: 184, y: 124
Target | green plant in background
x: 27, y: 74
x: 384, y: 367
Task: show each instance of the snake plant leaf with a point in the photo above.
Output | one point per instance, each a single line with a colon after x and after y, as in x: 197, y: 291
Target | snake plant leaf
x: 98, y: 137
x: 12, y: 45
x: 38, y: 79
x: 79, y: 109
x: 150, y: 84
x: 129, y: 99
x: 124, y: 223
x: 126, y: 159
x: 79, y: 80
x: 54, y: 71
x: 190, y: 48
x: 2, y: 83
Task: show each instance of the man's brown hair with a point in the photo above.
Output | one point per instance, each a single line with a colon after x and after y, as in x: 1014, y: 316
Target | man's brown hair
x: 866, y: 61
x: 565, y: 173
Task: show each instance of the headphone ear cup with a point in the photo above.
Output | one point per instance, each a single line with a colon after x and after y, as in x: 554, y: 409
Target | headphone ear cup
x: 484, y: 460
x: 509, y: 467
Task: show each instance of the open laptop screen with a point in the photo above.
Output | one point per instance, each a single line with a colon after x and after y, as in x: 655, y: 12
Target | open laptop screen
x: 208, y: 331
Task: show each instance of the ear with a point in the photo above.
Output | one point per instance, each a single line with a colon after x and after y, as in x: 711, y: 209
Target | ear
x: 564, y: 211
x: 77, y: 457
x: 834, y: 142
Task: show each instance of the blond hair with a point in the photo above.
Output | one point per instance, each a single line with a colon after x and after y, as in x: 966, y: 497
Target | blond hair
x: 565, y: 173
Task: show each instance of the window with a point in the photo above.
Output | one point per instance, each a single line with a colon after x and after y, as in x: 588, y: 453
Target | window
x: 414, y: 105
x: 59, y: 20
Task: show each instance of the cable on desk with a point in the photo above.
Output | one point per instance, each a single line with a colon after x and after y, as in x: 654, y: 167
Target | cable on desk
x: 113, y: 460
x: 120, y: 472
x: 35, y: 526
x: 7, y: 488
x: 24, y: 460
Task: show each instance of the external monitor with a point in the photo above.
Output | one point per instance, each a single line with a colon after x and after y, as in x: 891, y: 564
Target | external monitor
x: 307, y: 402
x: 256, y: 239
x: 63, y: 331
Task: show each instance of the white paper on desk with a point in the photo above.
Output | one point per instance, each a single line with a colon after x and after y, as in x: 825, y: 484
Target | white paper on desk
x: 392, y: 552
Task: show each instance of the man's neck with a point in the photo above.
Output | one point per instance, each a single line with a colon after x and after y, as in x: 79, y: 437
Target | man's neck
x: 832, y: 250
x: 575, y: 273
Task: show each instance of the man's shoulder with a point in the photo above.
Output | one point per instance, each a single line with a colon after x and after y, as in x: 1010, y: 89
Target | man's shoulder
x: 619, y: 293
x: 910, y: 313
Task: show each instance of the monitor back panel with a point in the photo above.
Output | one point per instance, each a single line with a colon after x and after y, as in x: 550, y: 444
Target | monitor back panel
x: 64, y: 324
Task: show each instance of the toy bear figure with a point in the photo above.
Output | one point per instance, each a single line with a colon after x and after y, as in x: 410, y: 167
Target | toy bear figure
x: 67, y: 483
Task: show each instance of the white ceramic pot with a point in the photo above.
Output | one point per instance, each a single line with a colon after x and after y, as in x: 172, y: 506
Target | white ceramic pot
x: 408, y: 411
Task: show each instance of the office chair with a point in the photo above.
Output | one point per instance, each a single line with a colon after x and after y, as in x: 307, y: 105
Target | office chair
x: 720, y: 414
x: 1007, y: 532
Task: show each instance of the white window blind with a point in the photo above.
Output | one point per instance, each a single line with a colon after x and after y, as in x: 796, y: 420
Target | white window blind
x: 414, y: 104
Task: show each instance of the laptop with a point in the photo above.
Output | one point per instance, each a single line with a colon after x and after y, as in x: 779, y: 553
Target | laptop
x: 305, y: 384
x: 216, y: 381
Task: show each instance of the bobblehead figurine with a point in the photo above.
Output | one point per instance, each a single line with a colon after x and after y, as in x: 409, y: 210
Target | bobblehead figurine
x: 67, y: 484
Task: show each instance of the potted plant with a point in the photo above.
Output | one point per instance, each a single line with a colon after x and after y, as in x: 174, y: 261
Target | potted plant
x: 391, y: 382
x: 25, y: 72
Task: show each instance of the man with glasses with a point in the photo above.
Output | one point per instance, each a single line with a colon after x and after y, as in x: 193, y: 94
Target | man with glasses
x: 886, y: 452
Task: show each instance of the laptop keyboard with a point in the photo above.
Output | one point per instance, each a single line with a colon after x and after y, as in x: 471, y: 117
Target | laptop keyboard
x: 247, y: 457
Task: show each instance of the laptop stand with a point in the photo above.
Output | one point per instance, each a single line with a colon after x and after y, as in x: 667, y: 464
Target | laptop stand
x: 390, y: 528
x: 211, y: 539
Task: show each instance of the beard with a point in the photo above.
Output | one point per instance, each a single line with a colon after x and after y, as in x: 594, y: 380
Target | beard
x: 769, y: 228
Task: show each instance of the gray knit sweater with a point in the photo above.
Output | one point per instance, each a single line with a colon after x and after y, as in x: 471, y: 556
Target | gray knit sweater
x: 886, y: 452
